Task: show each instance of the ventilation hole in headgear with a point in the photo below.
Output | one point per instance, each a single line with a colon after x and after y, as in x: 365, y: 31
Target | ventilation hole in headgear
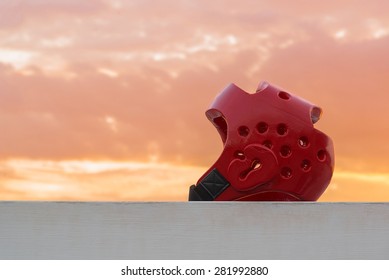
x: 268, y: 144
x: 315, y: 114
x: 284, y: 95
x: 303, y: 142
x: 321, y: 155
x: 262, y: 127
x: 286, y: 172
x: 255, y: 164
x: 285, y: 151
x: 239, y: 155
x: 262, y: 85
x: 243, y: 131
x: 306, y: 165
x: 282, y: 129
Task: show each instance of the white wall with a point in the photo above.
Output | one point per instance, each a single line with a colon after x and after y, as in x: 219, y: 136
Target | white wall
x: 196, y: 230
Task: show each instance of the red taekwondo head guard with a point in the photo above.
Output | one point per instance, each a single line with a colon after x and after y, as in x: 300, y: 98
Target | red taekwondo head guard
x: 272, y: 152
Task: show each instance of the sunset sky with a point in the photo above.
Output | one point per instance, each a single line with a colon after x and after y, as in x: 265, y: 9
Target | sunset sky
x: 105, y: 100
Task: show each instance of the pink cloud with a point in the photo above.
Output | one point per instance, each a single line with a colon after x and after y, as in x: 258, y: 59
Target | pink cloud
x: 15, y: 14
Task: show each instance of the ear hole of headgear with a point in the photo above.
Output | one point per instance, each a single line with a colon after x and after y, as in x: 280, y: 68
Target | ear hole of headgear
x: 218, y: 120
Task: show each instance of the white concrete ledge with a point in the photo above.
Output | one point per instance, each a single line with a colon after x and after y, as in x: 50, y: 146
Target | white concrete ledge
x: 196, y: 230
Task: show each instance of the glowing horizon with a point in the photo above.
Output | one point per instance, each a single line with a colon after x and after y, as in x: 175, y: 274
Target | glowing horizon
x: 90, y: 180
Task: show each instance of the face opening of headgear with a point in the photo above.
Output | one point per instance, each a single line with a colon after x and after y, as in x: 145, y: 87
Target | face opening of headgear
x: 272, y: 151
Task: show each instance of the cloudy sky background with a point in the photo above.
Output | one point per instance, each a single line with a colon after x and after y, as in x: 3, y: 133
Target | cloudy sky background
x: 105, y: 100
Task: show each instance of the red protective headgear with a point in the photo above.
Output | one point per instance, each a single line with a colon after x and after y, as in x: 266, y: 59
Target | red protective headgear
x: 271, y: 149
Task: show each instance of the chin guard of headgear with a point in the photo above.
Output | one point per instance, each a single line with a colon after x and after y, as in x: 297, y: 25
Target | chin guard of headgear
x: 272, y: 152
